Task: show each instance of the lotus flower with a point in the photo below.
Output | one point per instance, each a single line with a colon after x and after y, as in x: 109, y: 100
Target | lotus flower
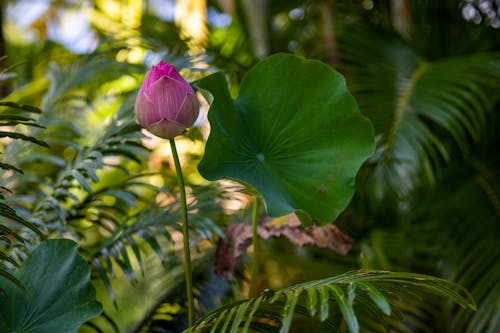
x: 166, y: 105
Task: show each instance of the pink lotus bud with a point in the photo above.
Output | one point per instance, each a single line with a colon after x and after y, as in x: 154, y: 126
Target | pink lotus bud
x: 166, y: 104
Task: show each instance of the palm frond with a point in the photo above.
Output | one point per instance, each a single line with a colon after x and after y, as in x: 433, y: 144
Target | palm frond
x: 422, y: 110
x: 11, y: 117
x: 134, y: 236
x: 452, y: 234
x: 21, y: 107
x: 470, y: 217
x: 342, y: 293
x: 47, y: 187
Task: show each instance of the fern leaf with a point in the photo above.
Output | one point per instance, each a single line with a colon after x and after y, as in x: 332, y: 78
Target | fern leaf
x: 19, y: 136
x: 5, y: 274
x: 7, y: 166
x: 424, y: 111
x: 10, y: 213
x: 376, y: 296
x: 22, y: 107
x: 345, y: 306
x: 347, y: 292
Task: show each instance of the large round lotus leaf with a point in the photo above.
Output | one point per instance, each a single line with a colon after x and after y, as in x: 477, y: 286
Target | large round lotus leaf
x: 294, y: 133
x: 59, y: 298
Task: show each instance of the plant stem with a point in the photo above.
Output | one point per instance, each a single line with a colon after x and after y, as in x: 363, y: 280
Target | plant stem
x: 255, y: 245
x: 185, y: 234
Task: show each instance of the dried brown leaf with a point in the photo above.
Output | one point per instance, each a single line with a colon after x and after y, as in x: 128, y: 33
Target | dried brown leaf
x: 239, y: 236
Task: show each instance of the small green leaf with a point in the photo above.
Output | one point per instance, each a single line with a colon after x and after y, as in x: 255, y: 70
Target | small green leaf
x: 23, y: 107
x: 19, y: 136
x: 240, y: 315
x: 346, y: 308
x: 288, y: 311
x: 8, y: 212
x: 16, y: 118
x: 7, y: 166
x: 351, y: 292
x: 255, y: 307
x: 137, y: 252
x: 104, y: 278
x: 376, y: 296
x: 324, y: 308
x: 37, y: 157
x: 217, y: 322
x: 123, y: 260
x: 4, y: 257
x: 81, y: 180
x: 153, y: 243
x: 7, y: 275
x: 312, y: 301
x: 7, y: 231
x: 228, y: 319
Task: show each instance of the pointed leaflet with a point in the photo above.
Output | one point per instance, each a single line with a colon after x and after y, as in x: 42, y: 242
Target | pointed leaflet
x: 294, y: 133
x: 59, y: 297
x: 345, y: 306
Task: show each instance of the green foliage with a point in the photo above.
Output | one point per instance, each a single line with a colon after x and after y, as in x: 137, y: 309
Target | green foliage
x: 427, y: 201
x: 469, y: 248
x: 422, y: 110
x: 434, y: 173
x: 333, y: 300
x: 61, y: 191
x: 59, y: 296
x: 300, y: 148
x: 152, y: 227
x: 12, y: 116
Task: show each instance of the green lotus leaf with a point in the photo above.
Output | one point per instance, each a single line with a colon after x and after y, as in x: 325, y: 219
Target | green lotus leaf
x: 294, y: 133
x: 59, y: 298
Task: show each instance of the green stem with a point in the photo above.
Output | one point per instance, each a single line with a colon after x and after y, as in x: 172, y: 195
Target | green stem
x: 255, y: 245
x: 185, y: 234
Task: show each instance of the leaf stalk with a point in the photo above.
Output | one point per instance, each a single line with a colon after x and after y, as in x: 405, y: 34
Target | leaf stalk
x: 185, y: 234
x: 255, y: 245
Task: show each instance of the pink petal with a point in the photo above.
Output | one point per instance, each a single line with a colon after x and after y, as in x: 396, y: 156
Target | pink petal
x: 188, y: 111
x: 166, y: 129
x: 175, y: 75
x: 145, y: 111
x: 166, y: 94
x: 164, y: 70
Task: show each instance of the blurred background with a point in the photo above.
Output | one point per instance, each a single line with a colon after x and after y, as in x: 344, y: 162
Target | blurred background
x: 426, y: 73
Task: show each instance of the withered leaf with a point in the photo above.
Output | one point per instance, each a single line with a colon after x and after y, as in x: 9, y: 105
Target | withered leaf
x: 239, y: 236
x: 227, y: 254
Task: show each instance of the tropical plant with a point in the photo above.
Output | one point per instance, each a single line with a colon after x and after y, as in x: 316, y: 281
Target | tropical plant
x: 343, y: 295
x: 77, y: 166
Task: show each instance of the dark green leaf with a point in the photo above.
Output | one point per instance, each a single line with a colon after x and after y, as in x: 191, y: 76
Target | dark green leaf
x: 60, y: 295
x: 300, y: 148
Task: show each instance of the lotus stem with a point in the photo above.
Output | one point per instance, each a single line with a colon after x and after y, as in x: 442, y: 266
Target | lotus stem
x: 185, y: 234
x: 255, y: 245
